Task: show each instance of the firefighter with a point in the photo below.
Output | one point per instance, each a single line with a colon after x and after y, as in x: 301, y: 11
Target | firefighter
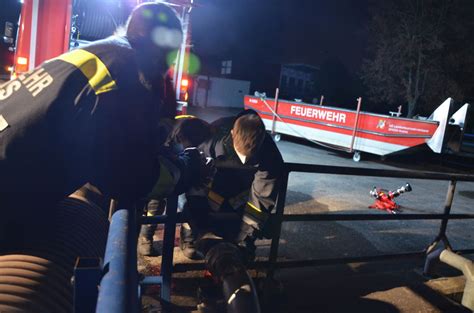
x: 237, y: 203
x: 187, y: 132
x: 90, y: 115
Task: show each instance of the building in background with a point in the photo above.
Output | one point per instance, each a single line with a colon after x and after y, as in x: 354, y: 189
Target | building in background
x: 210, y: 91
x: 224, y: 81
x: 221, y: 83
x: 298, y: 81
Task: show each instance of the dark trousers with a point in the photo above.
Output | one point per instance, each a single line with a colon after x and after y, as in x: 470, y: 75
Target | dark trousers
x: 225, y: 223
x: 154, y: 208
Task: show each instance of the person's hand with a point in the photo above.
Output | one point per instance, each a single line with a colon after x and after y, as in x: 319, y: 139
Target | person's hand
x: 208, y: 171
x: 198, y: 169
x: 188, y: 170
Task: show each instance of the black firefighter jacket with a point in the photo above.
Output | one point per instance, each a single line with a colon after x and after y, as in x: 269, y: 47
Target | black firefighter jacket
x: 81, y: 117
x: 253, y: 187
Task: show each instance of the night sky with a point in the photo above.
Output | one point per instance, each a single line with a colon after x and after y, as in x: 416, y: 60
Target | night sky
x: 282, y: 31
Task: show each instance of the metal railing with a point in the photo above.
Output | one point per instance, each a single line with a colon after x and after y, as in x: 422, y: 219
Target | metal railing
x: 118, y: 291
x: 306, y: 168
x: 119, y: 288
x: 280, y: 217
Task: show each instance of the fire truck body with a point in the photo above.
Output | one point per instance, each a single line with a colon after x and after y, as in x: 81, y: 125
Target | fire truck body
x: 8, y: 30
x: 44, y: 32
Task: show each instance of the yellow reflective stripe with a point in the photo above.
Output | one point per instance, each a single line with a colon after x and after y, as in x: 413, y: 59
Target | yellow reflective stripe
x: 93, y: 68
x: 254, y: 207
x: 215, y: 197
x: 254, y: 215
x: 178, y: 117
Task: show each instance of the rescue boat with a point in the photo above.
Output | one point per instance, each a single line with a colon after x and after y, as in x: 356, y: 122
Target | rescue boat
x: 354, y: 131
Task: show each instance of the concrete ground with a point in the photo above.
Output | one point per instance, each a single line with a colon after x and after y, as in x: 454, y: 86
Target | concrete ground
x: 395, y: 286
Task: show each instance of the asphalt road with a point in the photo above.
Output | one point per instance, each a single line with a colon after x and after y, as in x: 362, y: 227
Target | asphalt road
x: 323, y: 193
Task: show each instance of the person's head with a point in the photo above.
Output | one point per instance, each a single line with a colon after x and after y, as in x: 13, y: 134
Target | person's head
x: 154, y: 30
x: 190, y: 132
x: 248, y: 134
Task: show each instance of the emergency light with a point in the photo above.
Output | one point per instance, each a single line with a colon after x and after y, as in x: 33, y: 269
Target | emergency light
x: 183, y: 90
x: 22, y: 61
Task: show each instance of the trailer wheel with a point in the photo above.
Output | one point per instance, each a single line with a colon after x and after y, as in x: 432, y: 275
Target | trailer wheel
x: 277, y: 137
x: 356, y: 156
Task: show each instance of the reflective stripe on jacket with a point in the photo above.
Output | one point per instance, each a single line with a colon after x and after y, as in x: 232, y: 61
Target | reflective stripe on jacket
x: 82, y: 117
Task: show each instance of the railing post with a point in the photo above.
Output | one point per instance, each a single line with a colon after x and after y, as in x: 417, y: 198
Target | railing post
x: 447, y: 210
x: 168, y: 247
x: 118, y: 290
x: 280, y: 208
x: 87, y: 274
x: 441, y: 241
x: 133, y: 261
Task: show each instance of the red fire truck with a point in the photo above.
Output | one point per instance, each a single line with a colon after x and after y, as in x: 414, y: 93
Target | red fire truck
x: 10, y: 10
x: 49, y: 28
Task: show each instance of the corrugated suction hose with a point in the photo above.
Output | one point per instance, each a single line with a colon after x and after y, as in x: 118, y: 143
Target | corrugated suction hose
x: 35, y: 276
x: 225, y: 262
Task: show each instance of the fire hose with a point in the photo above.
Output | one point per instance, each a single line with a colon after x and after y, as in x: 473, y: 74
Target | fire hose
x: 36, y: 276
x: 226, y: 264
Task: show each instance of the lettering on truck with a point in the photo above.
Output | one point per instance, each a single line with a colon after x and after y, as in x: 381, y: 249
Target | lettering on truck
x: 329, y: 116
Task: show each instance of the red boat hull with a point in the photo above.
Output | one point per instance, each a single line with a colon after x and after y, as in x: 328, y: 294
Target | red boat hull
x: 374, y: 133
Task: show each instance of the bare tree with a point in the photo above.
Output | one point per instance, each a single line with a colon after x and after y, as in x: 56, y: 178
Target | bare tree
x: 409, y: 47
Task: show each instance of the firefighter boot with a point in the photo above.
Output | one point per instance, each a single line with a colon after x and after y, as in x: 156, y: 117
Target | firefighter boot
x: 145, y: 241
x: 248, y: 249
x: 145, y: 246
x: 186, y: 243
